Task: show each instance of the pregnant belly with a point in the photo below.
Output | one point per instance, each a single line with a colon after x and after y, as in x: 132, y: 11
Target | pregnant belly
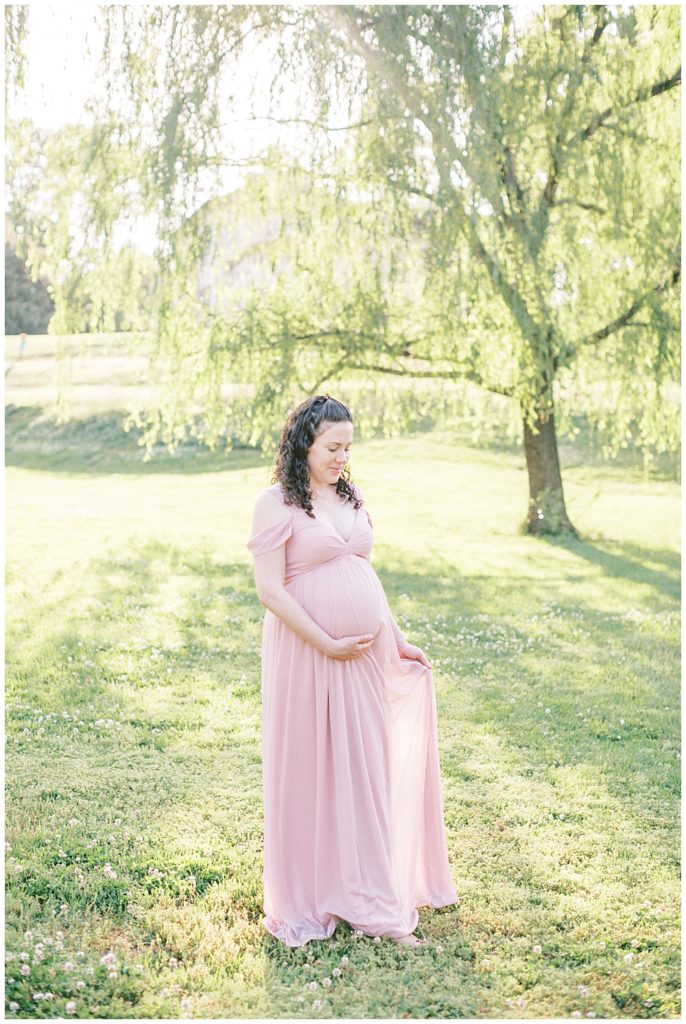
x: 343, y: 596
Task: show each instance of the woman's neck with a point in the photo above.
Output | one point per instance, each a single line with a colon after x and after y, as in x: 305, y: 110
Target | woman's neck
x: 323, y: 490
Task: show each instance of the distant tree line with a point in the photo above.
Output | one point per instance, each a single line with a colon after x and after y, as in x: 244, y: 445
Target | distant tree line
x: 28, y: 306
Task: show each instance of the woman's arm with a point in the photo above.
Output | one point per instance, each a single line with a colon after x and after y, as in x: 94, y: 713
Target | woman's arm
x: 269, y: 575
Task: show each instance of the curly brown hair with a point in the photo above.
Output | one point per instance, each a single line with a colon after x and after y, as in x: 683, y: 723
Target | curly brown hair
x: 297, y: 435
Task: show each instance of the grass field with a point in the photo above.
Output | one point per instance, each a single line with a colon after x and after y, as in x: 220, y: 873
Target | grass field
x: 133, y: 800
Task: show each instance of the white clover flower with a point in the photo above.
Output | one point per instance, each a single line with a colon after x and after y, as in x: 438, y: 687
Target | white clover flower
x: 537, y: 949
x: 70, y: 1007
x: 317, y: 1004
x: 326, y: 982
x: 337, y: 972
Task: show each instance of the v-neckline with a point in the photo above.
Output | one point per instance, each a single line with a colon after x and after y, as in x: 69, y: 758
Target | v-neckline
x: 338, y: 534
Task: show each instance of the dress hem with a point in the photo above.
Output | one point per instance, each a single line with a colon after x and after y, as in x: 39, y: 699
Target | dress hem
x: 287, y: 935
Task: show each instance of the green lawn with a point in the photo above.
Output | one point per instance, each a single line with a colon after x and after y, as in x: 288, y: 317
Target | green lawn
x: 133, y: 739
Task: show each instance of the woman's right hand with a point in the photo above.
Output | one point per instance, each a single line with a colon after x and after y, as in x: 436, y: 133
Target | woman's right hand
x: 347, y: 647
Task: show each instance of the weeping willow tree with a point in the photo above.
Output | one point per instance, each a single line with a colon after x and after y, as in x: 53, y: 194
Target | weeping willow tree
x: 461, y: 197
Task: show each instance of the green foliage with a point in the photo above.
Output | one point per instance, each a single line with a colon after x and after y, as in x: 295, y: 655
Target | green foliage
x: 95, y: 283
x: 503, y: 207
x: 16, y: 16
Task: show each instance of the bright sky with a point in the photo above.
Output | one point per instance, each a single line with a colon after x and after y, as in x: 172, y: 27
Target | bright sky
x: 60, y: 72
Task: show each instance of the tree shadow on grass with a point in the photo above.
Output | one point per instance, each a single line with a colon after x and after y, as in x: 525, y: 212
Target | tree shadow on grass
x: 631, y: 561
x: 98, y: 445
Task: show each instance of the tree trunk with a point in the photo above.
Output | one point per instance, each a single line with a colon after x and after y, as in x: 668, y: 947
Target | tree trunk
x: 547, y: 512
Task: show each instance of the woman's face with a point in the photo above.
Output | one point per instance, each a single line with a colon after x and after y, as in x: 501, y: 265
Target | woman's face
x: 329, y: 452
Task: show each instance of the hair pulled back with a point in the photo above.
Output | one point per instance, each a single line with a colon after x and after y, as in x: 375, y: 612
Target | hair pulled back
x: 297, y: 435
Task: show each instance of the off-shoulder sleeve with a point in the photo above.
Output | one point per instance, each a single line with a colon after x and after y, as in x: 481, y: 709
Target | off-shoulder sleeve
x: 272, y: 536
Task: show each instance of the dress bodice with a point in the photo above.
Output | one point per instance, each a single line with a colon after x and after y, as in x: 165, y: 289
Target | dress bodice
x: 311, y: 542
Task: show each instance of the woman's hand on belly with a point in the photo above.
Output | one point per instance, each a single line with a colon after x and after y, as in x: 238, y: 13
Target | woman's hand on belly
x: 347, y: 647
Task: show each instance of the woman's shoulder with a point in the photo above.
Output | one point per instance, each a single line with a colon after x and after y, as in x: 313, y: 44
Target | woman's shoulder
x: 276, y: 490
x: 270, y: 506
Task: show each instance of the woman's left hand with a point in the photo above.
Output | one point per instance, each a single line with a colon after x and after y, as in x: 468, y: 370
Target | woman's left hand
x: 412, y: 653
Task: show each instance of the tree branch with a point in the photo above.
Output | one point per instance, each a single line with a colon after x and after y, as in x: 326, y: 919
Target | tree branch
x: 298, y: 120
x: 547, y: 200
x: 625, y: 320
x: 578, y: 202
x: 642, y: 94
x: 470, y: 375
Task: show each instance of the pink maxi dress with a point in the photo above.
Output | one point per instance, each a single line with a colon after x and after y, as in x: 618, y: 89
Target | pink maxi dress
x: 353, y: 808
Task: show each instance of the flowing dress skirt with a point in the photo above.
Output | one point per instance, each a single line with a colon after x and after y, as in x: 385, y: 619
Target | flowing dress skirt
x: 353, y: 806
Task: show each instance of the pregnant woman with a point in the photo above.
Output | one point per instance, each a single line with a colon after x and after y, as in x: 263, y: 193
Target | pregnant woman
x: 353, y: 811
